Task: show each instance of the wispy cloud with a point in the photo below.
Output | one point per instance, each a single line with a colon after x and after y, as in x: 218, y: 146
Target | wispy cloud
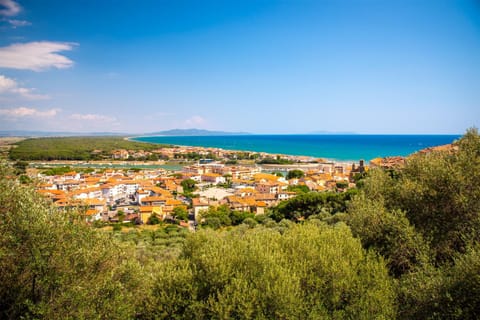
x: 195, y: 121
x: 9, y: 8
x: 36, y: 56
x: 19, y: 23
x: 22, y: 112
x: 92, y: 117
x: 10, y: 86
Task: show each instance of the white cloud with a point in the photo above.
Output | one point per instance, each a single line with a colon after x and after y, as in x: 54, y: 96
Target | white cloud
x: 19, y: 23
x: 10, y: 86
x: 195, y: 121
x: 36, y: 56
x: 22, y: 112
x: 92, y: 117
x: 9, y: 8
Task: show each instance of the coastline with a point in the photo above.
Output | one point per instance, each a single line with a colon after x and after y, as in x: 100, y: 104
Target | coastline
x: 323, y: 159
x: 328, y: 148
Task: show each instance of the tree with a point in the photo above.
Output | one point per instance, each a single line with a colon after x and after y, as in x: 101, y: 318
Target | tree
x: 298, y: 188
x: 388, y: 233
x: 439, y: 193
x: 121, y: 215
x: 342, y: 184
x: 295, y: 174
x: 153, y: 219
x: 180, y: 213
x: 20, y: 167
x: 53, y: 265
x: 312, y: 203
x: 188, y: 185
x: 308, y: 272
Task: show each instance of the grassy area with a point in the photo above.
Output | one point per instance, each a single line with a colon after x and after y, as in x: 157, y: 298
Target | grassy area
x: 74, y: 148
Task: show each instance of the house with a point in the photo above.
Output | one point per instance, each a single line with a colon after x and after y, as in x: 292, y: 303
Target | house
x: 141, y: 194
x: 93, y: 215
x: 260, y: 207
x: 87, y: 193
x: 213, y: 178
x: 199, y: 205
x: 120, y: 154
x: 268, y: 198
x: 113, y: 191
x: 72, y: 175
x: 152, y: 201
x: 285, y: 195
x: 145, y: 212
x: 267, y: 187
x: 67, y: 185
x: 130, y: 187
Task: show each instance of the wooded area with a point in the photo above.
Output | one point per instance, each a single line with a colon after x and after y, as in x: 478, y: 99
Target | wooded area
x: 74, y: 148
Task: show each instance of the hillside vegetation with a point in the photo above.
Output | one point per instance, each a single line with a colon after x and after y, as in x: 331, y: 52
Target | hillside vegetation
x: 74, y: 148
x: 403, y: 246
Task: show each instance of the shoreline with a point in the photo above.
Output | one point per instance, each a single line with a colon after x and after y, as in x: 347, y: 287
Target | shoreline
x: 348, y: 148
x: 324, y: 159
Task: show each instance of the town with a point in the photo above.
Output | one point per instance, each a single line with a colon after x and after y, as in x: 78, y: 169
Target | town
x: 244, y: 181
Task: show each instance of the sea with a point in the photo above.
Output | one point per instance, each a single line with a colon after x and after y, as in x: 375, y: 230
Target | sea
x: 341, y: 147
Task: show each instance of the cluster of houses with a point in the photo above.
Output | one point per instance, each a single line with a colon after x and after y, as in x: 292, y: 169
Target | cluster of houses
x: 253, y: 190
x: 140, y: 194
x: 167, y: 153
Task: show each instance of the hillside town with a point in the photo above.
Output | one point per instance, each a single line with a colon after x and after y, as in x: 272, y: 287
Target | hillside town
x: 135, y: 195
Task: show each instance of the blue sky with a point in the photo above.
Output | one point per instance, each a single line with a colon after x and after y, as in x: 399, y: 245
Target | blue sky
x: 259, y: 66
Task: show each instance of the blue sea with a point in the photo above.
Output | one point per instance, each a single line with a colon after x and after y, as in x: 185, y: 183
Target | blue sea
x: 335, y: 147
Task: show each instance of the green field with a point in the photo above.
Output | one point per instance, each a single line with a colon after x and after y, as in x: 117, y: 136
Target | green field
x: 74, y: 148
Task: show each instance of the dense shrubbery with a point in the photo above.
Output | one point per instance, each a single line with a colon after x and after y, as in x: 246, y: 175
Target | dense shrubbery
x: 223, y: 216
x: 312, y: 203
x: 275, y: 161
x: 52, y: 265
x: 406, y: 246
x: 307, y: 272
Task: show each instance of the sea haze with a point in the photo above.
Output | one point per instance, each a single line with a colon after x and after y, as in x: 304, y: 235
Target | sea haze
x: 337, y: 147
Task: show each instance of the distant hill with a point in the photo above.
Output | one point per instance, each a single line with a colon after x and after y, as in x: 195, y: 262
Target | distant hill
x: 332, y: 132
x: 194, y: 132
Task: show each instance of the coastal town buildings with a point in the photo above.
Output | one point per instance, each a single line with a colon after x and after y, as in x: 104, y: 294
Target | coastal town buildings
x: 139, y: 194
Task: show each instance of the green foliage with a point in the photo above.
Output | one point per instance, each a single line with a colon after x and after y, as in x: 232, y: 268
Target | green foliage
x: 188, y: 185
x: 304, y: 205
x: 222, y: 216
x: 298, y: 189
x: 341, y: 184
x: 20, y: 167
x: 74, y: 148
x: 164, y: 243
x: 450, y: 292
x: 153, y: 219
x: 180, y: 213
x: 295, y: 174
x: 425, y: 220
x: 53, y: 265
x: 117, y: 227
x: 389, y: 233
x: 308, y: 272
x: 57, y: 171
x: 275, y: 161
x: 439, y: 193
x: 24, y: 179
